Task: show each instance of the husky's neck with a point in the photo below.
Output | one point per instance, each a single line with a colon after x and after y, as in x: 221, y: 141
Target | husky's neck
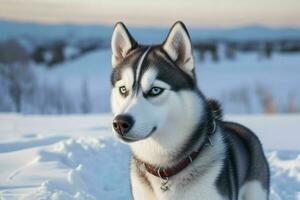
x: 182, y: 135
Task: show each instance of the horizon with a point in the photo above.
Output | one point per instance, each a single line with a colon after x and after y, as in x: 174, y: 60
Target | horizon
x: 207, y: 14
x: 142, y: 26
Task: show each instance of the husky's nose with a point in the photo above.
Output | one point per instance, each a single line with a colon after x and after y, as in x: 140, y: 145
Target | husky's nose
x: 122, y: 124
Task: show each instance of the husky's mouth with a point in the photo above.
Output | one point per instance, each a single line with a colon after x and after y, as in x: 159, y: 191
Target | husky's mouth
x: 127, y: 138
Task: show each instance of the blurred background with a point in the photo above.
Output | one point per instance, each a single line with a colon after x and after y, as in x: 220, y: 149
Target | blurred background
x: 55, y: 55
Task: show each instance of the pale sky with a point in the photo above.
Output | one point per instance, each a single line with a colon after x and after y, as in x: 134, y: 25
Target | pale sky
x: 208, y: 13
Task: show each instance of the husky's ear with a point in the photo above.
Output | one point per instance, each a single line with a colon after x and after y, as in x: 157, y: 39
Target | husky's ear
x: 178, y: 46
x: 121, y: 43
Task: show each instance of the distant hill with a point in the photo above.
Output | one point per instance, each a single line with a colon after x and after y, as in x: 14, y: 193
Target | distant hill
x: 40, y: 32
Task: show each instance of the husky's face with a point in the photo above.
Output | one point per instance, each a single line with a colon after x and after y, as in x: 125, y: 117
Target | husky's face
x: 152, y: 86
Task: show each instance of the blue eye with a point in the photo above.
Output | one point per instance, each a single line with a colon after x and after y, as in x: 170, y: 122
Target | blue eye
x: 155, y: 91
x: 123, y: 91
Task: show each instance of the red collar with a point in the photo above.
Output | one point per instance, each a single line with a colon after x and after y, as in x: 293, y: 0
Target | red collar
x: 165, y: 173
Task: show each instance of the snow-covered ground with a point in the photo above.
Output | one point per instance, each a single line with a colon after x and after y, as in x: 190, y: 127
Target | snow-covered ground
x: 77, y: 157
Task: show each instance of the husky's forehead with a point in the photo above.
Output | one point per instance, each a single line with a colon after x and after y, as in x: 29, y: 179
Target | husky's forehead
x: 144, y: 60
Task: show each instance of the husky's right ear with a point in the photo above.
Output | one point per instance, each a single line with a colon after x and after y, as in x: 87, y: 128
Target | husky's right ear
x: 178, y: 46
x: 121, y: 43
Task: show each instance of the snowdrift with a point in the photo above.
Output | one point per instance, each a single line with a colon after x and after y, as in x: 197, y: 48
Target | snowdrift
x: 77, y: 157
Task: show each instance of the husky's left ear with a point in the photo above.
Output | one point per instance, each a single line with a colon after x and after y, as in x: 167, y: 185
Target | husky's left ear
x: 121, y: 43
x: 178, y: 46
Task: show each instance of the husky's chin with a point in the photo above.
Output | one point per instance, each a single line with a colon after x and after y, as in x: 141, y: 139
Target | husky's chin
x: 130, y: 138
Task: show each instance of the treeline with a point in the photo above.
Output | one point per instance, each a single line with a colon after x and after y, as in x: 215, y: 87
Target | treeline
x: 23, y: 92
x: 51, y: 53
x: 59, y: 51
x: 215, y: 49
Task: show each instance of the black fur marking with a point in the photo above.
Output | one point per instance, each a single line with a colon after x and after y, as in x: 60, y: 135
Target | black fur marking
x: 258, y: 165
x: 222, y: 182
x: 245, y: 160
x: 167, y: 58
x: 233, y: 179
x: 227, y: 180
x: 167, y: 71
x: 130, y: 61
x: 216, y: 108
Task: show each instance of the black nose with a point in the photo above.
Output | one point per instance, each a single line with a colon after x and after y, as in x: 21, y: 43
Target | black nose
x: 122, y: 124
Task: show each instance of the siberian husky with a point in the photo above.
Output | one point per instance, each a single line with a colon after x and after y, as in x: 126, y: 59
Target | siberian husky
x: 181, y: 148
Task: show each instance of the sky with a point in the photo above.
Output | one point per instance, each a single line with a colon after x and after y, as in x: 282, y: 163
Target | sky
x: 205, y: 13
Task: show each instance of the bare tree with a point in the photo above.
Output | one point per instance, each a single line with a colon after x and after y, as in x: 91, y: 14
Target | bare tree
x: 85, y: 99
x: 15, y: 70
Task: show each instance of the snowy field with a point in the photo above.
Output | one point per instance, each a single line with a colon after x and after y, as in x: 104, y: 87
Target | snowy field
x: 76, y: 157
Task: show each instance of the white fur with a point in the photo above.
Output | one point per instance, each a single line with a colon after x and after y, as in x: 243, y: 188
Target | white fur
x: 172, y: 130
x: 119, y: 103
x: 252, y: 190
x: 137, y: 106
x: 159, y: 112
x: 148, y: 79
x: 202, y: 188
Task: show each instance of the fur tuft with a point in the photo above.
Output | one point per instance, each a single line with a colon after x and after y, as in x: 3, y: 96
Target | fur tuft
x: 216, y: 108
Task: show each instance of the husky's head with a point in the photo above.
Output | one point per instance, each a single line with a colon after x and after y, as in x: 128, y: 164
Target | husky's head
x: 154, y: 90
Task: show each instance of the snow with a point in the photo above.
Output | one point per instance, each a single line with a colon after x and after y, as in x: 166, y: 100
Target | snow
x: 278, y: 76
x: 77, y: 157
x: 278, y: 132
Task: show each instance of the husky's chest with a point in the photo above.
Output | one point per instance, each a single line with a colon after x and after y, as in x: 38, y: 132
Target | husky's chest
x: 187, y: 185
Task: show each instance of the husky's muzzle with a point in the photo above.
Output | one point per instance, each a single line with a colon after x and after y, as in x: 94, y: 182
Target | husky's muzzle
x: 122, y: 124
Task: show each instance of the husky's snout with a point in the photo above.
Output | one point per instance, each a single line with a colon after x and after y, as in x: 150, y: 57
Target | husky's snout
x: 122, y: 124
